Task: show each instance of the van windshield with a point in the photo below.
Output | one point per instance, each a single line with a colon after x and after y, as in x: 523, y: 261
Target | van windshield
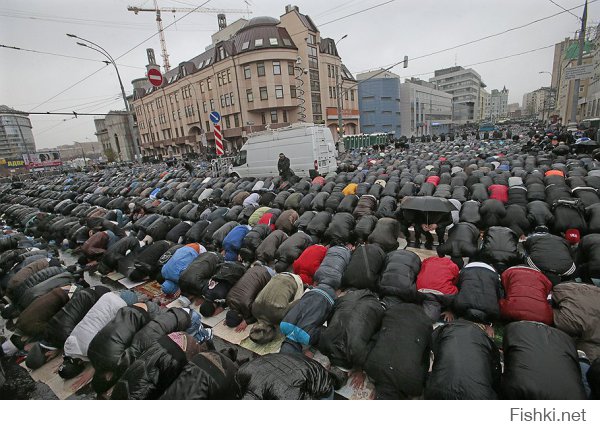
x: 240, y: 159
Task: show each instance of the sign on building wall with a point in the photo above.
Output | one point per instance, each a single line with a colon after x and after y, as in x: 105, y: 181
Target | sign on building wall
x: 42, y: 159
x: 579, y: 72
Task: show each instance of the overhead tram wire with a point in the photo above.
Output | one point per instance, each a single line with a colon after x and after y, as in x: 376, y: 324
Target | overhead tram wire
x: 387, y: 69
x: 120, y: 56
x: 16, y: 48
x: 556, y: 4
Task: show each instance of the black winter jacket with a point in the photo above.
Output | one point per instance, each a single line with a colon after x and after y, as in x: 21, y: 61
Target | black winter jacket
x: 283, y: 377
x: 106, y: 350
x: 550, y: 254
x: 61, y: 325
x: 347, y: 339
x: 500, y: 248
x: 207, y: 376
x: 197, y: 274
x: 399, y: 275
x: 267, y: 249
x: 339, y: 231
x: 364, y: 268
x: 466, y: 364
x: 385, y: 234
x: 540, y: 363
x: 399, y: 360
x: 150, y: 375
x: 479, y: 290
x: 170, y: 321
x: 364, y: 227
x: 461, y: 242
x: 469, y: 212
x: 492, y: 211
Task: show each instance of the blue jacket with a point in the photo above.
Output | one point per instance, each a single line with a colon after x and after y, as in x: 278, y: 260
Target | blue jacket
x: 233, y: 241
x: 173, y: 268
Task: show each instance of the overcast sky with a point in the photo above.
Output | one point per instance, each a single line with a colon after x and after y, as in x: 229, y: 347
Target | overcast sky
x: 378, y: 37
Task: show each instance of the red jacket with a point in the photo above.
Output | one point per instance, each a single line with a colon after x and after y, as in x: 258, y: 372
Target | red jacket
x: 268, y: 219
x: 526, y: 295
x: 309, y: 261
x: 498, y: 192
x: 438, y: 274
x: 435, y: 180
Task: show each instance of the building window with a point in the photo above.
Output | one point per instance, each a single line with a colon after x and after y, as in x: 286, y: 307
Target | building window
x: 227, y: 100
x: 236, y: 120
x: 249, y: 96
x: 273, y: 117
x: 260, y: 68
x: 276, y: 68
x: 247, y: 73
x: 176, y: 132
x: 258, y: 43
x: 222, y: 101
x: 229, y: 76
x: 285, y: 118
x: 317, y: 108
x: 263, y: 118
x: 264, y: 95
x: 312, y: 39
x: 219, y: 79
x: 232, y: 99
x: 329, y: 71
x: 182, y: 133
x: 204, y: 107
x: 278, y: 91
x: 245, y: 45
x: 346, y: 95
x: 351, y: 95
x: 273, y: 41
x: 293, y: 91
x: 221, y: 53
x: 207, y: 126
x: 227, y: 122
x: 287, y: 42
x: 212, y: 104
x: 202, y: 87
x: 209, y: 84
x: 290, y: 68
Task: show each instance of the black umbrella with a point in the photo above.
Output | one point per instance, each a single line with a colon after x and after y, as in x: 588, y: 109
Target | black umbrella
x: 427, y: 204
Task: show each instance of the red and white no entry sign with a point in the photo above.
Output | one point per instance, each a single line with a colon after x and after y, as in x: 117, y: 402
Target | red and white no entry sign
x: 155, y: 77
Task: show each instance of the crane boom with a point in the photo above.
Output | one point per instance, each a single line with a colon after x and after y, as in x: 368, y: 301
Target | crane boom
x: 136, y: 9
x: 161, y: 33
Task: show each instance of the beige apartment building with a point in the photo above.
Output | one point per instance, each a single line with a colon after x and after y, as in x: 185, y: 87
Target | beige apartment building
x: 269, y: 73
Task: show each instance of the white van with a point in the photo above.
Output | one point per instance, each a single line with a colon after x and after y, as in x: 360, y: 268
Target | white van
x: 308, y: 146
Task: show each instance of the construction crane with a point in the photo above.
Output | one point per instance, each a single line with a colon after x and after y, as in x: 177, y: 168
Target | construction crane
x: 161, y: 33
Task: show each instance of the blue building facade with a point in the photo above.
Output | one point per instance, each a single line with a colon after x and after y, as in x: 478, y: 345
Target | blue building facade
x: 379, y: 103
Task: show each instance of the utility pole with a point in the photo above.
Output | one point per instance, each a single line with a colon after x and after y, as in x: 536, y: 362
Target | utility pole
x: 576, y: 85
x: 338, y: 86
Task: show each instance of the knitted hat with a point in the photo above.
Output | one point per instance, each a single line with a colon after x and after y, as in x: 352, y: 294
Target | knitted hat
x: 233, y: 318
x: 572, y: 236
x: 128, y: 297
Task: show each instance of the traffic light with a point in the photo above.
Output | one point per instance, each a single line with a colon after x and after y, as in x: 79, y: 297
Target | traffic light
x: 405, y: 65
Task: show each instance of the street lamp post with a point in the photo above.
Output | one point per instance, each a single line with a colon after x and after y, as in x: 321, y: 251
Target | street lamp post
x: 103, y: 51
x: 338, y: 86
